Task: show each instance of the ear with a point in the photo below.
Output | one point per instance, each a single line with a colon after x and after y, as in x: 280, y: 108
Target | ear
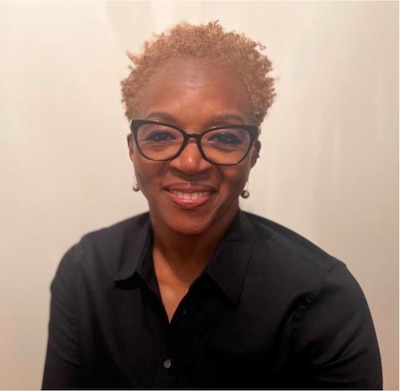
x: 131, y: 145
x: 255, y: 153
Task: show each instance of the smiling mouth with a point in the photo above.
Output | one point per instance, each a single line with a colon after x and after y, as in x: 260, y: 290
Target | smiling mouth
x: 191, y: 196
x: 189, y: 199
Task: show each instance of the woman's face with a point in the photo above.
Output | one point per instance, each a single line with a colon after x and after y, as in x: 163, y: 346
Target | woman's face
x: 189, y: 195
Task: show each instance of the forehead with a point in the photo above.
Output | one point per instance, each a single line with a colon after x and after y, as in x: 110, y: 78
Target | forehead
x: 195, y: 85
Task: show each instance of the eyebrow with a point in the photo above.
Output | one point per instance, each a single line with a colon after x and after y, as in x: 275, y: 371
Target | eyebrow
x: 226, y: 118
x: 160, y: 115
x: 216, y: 119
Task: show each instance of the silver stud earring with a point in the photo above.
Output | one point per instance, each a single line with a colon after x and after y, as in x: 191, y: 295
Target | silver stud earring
x: 245, y: 193
x: 135, y: 186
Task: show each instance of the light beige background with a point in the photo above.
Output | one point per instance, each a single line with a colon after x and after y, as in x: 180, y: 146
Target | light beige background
x: 329, y: 159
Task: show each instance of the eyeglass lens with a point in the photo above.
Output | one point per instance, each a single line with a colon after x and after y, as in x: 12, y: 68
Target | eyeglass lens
x: 221, y: 146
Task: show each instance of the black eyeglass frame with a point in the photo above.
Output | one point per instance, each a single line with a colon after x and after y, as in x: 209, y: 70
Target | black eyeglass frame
x: 136, y: 123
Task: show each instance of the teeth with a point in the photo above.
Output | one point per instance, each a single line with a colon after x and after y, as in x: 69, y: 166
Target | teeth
x: 191, y: 196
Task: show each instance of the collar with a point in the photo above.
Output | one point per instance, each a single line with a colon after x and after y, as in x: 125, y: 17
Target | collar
x: 136, y: 248
x: 227, y: 268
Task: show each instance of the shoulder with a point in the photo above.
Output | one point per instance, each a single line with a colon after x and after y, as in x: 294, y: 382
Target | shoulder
x: 319, y: 288
x: 287, y: 247
x: 108, y: 242
x: 289, y: 265
x: 99, y: 253
x: 112, y: 237
x: 302, y: 275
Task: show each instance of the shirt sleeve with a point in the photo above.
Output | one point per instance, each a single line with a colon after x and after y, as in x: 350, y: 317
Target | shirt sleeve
x: 334, y: 339
x: 62, y: 364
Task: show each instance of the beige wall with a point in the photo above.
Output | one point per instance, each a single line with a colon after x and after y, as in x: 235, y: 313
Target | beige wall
x: 329, y: 159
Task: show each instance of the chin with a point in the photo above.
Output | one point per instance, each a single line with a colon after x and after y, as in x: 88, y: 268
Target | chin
x: 190, y: 226
x: 187, y: 223
x: 190, y: 221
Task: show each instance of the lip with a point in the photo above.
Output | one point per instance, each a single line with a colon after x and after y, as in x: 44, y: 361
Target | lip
x: 189, y: 196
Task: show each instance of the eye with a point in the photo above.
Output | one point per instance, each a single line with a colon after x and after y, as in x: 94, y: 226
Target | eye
x: 160, y: 136
x: 156, y: 133
x: 225, y: 137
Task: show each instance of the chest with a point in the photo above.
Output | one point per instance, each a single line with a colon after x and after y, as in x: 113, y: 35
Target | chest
x: 208, y: 342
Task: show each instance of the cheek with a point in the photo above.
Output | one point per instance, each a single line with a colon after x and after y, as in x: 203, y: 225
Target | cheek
x: 147, y: 173
x: 234, y: 178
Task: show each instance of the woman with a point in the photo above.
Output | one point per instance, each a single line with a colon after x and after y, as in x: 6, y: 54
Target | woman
x: 197, y: 293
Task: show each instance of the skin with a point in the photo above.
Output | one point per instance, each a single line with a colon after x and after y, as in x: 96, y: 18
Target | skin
x: 194, y: 95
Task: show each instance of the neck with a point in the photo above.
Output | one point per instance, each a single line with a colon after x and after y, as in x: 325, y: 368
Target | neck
x: 183, y: 257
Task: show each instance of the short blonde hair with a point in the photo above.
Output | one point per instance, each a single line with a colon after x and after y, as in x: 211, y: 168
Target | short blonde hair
x: 209, y: 42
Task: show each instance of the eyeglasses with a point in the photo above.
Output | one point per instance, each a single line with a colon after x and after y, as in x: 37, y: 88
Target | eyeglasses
x: 223, y: 145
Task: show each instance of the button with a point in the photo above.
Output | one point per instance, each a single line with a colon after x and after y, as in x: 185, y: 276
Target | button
x: 167, y: 363
x: 184, y: 312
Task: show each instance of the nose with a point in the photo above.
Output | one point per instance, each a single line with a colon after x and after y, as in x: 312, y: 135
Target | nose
x: 190, y: 160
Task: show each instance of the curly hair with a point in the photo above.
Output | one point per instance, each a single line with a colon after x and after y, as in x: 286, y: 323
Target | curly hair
x: 209, y: 42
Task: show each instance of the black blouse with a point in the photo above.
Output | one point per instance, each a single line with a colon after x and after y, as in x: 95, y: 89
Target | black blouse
x: 271, y: 310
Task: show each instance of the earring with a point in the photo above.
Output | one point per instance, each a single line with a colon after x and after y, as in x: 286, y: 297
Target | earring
x: 135, y: 186
x: 245, y: 193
